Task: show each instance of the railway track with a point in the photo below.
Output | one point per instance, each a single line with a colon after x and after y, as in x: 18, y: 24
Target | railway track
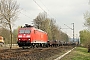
x: 31, y: 54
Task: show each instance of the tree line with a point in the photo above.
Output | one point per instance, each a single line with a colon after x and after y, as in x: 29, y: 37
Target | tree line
x: 49, y: 25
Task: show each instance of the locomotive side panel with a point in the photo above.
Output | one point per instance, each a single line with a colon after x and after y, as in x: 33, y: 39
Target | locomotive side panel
x: 39, y: 37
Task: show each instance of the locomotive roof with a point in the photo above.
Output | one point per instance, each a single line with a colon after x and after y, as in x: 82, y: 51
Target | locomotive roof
x: 30, y: 26
x: 41, y: 30
x: 34, y: 29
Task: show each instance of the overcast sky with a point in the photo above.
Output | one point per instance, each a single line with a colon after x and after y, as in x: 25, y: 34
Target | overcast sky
x: 63, y: 11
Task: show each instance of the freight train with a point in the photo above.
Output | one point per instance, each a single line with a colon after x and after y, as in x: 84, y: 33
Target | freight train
x: 29, y: 36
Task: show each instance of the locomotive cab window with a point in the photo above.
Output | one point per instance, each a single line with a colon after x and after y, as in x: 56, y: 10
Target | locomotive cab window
x: 24, y: 31
x: 27, y: 31
x: 21, y: 31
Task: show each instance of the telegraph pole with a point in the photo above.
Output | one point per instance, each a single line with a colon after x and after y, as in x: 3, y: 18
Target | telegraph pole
x: 73, y: 31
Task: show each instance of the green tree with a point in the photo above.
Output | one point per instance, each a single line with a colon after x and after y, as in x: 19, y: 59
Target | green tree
x: 46, y: 25
x: 64, y: 36
x: 84, y: 34
x: 84, y: 37
x: 6, y: 34
x: 53, y: 27
x: 15, y: 33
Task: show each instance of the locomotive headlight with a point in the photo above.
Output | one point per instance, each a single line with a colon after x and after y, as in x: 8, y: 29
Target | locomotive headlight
x: 28, y: 39
x: 19, y: 39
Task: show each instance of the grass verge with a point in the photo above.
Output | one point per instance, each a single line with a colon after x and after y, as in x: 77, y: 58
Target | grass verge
x: 79, y: 53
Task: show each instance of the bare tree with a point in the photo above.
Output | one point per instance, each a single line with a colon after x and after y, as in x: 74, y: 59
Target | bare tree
x: 38, y: 21
x: 8, y: 14
x: 87, y: 19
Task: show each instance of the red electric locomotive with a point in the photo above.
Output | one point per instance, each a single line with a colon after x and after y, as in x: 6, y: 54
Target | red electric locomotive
x: 29, y: 36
